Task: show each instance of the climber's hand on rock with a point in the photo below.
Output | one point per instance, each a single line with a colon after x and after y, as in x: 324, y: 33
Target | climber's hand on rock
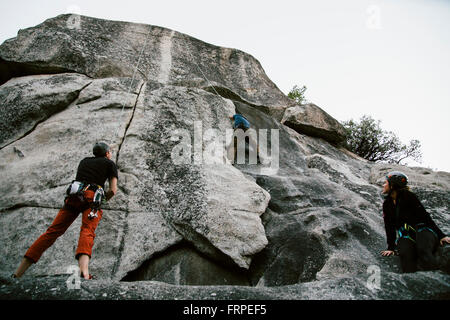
x: 445, y: 240
x: 387, y: 253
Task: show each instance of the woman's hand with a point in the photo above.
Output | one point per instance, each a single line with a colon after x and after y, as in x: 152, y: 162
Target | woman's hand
x: 387, y: 253
x: 445, y: 239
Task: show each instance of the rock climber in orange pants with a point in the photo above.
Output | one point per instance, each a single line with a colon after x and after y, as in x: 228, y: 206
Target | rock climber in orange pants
x: 83, y: 194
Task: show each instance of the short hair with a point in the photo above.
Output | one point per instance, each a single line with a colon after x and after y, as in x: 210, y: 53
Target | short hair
x: 100, y: 149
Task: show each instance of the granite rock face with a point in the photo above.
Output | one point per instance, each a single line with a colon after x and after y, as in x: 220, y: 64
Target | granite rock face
x: 213, y: 206
x: 394, y: 286
x: 27, y: 101
x: 303, y: 223
x: 101, y: 48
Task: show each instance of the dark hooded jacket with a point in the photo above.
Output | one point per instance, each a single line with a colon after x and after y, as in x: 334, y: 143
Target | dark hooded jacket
x: 408, y: 209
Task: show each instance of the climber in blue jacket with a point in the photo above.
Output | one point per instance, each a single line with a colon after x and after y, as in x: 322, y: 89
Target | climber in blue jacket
x: 240, y: 122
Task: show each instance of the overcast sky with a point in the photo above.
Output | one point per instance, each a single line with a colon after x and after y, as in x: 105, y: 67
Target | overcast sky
x: 387, y: 59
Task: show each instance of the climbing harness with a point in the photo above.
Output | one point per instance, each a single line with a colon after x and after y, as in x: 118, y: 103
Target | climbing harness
x: 78, y: 188
x: 407, y: 232
x: 422, y: 226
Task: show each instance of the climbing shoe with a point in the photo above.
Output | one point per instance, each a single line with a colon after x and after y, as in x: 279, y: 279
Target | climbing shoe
x: 91, y: 277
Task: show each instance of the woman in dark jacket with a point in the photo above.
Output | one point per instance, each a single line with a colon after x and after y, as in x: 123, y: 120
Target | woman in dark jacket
x: 409, y: 227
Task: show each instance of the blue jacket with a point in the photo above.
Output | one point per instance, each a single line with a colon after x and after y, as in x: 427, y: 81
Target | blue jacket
x: 240, y: 122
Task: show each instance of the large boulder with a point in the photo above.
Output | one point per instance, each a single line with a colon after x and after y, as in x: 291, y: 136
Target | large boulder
x: 311, y: 120
x: 215, y: 207
x: 37, y: 168
x: 212, y: 205
x: 305, y: 223
x: 101, y: 48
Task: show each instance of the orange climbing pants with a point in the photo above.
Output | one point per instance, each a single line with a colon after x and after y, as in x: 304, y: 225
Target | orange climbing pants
x: 73, y: 206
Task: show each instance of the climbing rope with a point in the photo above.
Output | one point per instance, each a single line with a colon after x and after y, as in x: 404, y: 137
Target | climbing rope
x: 204, y: 76
x: 134, y: 75
x: 137, y: 67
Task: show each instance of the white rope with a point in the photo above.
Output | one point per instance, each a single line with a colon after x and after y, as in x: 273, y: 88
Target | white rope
x: 134, y: 74
x: 204, y: 76
x: 137, y: 66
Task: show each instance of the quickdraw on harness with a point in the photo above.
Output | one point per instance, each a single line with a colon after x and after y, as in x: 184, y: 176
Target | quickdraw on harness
x: 99, y: 195
x: 77, y: 189
x: 406, y: 231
